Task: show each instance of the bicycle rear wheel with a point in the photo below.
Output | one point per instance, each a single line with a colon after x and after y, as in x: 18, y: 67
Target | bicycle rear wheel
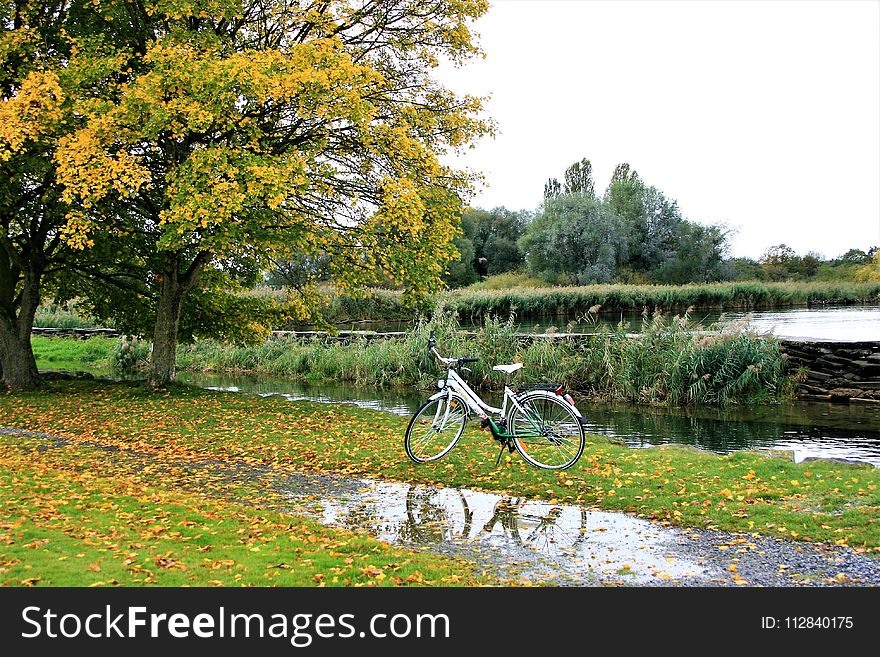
x: 435, y: 428
x: 546, y: 431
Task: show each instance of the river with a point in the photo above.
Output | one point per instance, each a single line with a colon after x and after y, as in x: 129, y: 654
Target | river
x: 808, y: 429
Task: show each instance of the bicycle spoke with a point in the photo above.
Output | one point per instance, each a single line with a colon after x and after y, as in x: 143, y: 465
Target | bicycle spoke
x: 546, y: 432
x: 434, y: 429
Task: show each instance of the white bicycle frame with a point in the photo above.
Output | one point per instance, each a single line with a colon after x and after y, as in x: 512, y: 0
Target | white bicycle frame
x: 454, y: 383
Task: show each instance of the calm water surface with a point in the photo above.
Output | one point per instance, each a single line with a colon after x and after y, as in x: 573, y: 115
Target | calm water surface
x: 809, y: 429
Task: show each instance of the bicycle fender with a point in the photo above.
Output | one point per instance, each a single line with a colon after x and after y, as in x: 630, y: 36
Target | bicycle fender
x: 545, y: 393
x: 443, y: 393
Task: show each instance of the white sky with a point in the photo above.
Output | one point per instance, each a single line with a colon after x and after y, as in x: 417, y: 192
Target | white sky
x: 761, y: 115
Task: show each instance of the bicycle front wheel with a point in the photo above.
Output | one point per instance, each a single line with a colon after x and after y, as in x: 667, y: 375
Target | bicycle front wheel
x: 435, y: 428
x: 546, y: 431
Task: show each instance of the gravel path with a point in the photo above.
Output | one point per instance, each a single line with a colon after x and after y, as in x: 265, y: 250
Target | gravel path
x: 515, y: 539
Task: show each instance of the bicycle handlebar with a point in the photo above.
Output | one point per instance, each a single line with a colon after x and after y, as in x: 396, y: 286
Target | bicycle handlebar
x: 432, y: 347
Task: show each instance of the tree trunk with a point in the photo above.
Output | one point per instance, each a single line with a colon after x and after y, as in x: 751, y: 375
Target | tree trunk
x: 17, y: 362
x: 175, y: 286
x: 164, y: 357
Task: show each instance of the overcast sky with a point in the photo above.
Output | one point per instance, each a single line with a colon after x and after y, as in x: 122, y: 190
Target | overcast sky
x: 761, y: 115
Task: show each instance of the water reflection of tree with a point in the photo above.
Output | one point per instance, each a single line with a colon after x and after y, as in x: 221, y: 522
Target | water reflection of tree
x: 718, y: 435
x: 361, y: 515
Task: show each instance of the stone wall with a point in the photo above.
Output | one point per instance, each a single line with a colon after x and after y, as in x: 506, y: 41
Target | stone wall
x: 837, y: 371
x: 81, y: 333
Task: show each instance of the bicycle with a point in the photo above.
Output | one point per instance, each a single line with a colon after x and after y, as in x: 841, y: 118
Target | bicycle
x: 542, y: 424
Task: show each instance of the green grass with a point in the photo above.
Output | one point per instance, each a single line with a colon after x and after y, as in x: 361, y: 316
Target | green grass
x: 56, y: 352
x: 746, y: 492
x: 77, y: 516
x: 507, y: 281
x: 66, y: 315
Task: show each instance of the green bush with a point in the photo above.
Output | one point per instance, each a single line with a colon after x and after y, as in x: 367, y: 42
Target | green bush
x: 131, y: 354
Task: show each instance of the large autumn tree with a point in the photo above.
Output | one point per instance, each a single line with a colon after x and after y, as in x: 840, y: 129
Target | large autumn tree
x: 243, y: 130
x: 41, y: 74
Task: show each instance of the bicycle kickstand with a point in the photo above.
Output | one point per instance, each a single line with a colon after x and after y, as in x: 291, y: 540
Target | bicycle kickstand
x: 498, y: 460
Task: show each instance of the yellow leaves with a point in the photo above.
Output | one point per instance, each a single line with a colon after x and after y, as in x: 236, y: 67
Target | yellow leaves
x: 184, y: 9
x: 31, y: 114
x: 372, y: 571
x: 89, y: 172
x: 167, y: 562
x: 77, y: 230
x: 402, y: 207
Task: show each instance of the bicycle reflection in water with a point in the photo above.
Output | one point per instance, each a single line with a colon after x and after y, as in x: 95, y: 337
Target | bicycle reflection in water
x: 434, y: 516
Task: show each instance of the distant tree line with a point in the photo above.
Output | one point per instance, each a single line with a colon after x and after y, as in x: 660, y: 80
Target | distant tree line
x: 781, y: 263
x: 631, y: 233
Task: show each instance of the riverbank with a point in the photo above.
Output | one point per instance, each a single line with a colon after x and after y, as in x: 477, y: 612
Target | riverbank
x: 515, y: 540
x: 476, y: 303
x: 670, y: 362
x: 744, y: 492
x: 746, y: 295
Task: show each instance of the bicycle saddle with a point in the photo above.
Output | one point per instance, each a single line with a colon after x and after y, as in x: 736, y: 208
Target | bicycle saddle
x: 508, y: 369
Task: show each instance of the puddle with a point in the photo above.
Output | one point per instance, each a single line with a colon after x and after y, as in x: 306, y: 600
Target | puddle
x: 510, y: 537
x: 567, y: 544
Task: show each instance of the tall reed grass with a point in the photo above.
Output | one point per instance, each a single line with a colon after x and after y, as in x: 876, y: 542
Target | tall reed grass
x: 480, y: 300
x: 738, y: 295
x: 62, y: 315
x: 671, y: 361
x: 483, y: 300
